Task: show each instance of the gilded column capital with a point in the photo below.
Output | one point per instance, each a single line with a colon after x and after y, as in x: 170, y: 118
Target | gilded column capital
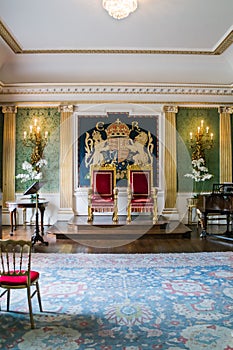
x: 9, y: 109
x: 66, y: 108
x: 224, y: 109
x: 170, y: 109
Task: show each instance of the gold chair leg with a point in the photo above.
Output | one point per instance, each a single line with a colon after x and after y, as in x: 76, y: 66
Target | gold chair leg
x: 115, y: 216
x: 38, y: 296
x: 30, y: 307
x: 129, y: 219
x: 90, y: 215
x: 155, y: 217
x: 8, y: 300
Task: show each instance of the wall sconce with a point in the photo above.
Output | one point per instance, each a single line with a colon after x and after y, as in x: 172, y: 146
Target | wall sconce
x: 200, y: 141
x: 36, y: 140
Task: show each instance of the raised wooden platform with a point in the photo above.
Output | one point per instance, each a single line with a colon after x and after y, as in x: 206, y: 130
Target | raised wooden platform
x: 103, y: 228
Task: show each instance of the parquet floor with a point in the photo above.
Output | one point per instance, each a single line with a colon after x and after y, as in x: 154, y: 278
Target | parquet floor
x: 147, y: 243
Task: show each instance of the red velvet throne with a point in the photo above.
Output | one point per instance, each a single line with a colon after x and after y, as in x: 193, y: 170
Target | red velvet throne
x: 103, y: 194
x: 142, y: 197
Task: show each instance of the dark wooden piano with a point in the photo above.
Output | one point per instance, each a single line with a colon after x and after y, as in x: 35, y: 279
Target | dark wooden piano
x: 220, y: 201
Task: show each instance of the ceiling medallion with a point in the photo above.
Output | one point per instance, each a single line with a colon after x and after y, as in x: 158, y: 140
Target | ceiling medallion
x: 119, y: 8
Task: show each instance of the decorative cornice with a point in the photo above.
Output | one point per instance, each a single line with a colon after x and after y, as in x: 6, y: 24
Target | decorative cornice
x: 9, y: 109
x: 16, y: 48
x: 116, y: 89
x: 224, y: 109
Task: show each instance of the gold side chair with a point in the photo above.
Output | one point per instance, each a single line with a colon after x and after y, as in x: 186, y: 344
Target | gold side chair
x: 16, y: 273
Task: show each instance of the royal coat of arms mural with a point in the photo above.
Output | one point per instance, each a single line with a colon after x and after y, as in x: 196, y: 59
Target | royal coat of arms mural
x: 120, y: 143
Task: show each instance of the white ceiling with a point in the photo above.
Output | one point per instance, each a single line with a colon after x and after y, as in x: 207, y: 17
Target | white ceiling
x: 76, y: 41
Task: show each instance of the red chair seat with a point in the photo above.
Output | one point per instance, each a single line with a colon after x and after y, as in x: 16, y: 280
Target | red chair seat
x: 18, y: 280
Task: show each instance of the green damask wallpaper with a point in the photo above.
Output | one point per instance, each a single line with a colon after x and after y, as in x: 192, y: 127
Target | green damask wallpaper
x: 49, y: 120
x: 188, y: 119
x: 1, y: 146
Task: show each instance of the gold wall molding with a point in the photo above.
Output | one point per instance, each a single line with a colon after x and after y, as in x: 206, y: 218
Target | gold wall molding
x: 17, y: 49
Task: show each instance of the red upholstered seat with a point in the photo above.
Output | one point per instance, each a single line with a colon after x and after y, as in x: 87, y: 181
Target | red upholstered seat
x: 17, y: 280
x: 102, y: 196
x: 141, y: 195
x: 16, y: 273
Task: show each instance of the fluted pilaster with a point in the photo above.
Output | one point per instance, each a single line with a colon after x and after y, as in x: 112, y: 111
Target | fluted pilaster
x: 170, y: 158
x: 66, y: 158
x: 225, y: 144
x: 9, y: 153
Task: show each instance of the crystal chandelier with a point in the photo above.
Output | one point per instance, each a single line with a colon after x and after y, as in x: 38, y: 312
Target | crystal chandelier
x: 120, y: 8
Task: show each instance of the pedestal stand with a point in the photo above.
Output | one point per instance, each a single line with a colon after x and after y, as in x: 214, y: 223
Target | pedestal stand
x: 33, y: 189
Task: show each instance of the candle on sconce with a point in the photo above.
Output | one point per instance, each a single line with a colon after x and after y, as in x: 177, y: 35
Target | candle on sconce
x: 30, y: 129
x: 46, y: 134
x: 35, y: 122
x: 38, y: 129
x: 25, y: 135
x: 201, y: 140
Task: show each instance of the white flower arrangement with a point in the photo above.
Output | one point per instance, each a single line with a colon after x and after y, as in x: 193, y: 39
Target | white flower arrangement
x: 199, y: 172
x: 32, y: 172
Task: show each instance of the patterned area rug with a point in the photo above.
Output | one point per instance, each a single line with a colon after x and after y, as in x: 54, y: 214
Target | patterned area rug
x: 126, y: 302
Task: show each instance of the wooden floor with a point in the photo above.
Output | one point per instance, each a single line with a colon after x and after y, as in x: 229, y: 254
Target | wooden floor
x: 147, y: 243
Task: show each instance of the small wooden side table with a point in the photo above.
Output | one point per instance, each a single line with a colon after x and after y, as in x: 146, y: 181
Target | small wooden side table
x: 25, y: 204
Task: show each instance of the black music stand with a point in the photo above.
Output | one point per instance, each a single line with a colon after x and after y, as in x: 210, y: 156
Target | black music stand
x: 33, y: 189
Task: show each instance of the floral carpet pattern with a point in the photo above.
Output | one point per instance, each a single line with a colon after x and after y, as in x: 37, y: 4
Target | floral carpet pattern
x: 125, y: 302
